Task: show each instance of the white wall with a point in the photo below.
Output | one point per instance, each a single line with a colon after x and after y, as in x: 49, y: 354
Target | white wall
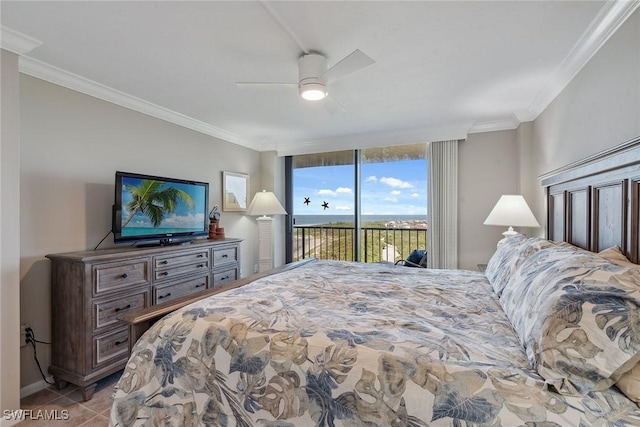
x: 9, y: 235
x: 487, y: 168
x: 599, y: 109
x: 72, y: 144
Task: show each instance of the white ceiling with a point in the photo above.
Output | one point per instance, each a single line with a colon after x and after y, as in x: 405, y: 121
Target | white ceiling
x: 443, y: 68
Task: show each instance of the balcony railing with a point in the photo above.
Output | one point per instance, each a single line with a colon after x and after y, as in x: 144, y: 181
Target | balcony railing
x: 337, y: 242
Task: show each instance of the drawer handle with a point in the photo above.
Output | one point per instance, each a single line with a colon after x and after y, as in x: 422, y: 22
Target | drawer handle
x: 123, y: 308
x: 200, y: 285
x: 225, y: 278
x: 200, y: 256
x: 124, y: 276
x: 164, y: 273
x: 225, y: 255
x: 200, y: 265
x: 164, y: 296
x: 165, y: 262
x: 120, y: 342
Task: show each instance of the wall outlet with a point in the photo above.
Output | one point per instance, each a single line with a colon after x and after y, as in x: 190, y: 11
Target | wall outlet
x: 23, y: 334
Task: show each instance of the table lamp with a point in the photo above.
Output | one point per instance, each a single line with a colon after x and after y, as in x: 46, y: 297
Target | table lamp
x: 511, y: 211
x: 265, y: 203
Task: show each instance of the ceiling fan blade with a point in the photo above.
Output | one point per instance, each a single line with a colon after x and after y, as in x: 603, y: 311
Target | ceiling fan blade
x: 244, y: 85
x: 355, y: 61
x: 332, y: 105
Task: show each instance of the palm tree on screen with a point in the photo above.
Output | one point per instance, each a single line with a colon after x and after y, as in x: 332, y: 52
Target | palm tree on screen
x: 154, y: 201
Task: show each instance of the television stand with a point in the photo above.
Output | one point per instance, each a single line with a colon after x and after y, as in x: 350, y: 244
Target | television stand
x: 91, y: 289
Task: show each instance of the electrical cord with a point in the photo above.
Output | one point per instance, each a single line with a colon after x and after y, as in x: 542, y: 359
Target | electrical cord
x: 30, y: 338
x: 102, y: 240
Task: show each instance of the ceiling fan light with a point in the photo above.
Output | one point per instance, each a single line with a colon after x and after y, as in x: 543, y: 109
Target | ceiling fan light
x: 313, y: 91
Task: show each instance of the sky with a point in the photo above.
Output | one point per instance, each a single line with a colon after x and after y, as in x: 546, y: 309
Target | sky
x: 182, y: 217
x: 388, y: 188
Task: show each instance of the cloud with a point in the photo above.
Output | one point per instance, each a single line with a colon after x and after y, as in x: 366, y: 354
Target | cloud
x: 395, y: 182
x: 184, y: 221
x: 396, y: 192
x: 415, y: 195
x: 372, y: 178
x: 338, y: 191
x: 343, y: 208
x: 391, y: 199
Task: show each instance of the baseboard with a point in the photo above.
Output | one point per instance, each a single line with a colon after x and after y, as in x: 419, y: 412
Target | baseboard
x: 34, y: 387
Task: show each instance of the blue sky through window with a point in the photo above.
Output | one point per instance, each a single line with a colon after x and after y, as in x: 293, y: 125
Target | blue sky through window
x: 388, y: 188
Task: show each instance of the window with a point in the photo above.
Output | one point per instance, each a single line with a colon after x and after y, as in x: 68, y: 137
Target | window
x: 366, y: 205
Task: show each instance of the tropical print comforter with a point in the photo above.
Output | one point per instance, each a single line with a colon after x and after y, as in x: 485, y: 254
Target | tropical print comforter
x: 347, y: 344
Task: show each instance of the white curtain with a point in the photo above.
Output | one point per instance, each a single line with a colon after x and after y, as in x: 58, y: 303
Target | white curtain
x: 443, y: 204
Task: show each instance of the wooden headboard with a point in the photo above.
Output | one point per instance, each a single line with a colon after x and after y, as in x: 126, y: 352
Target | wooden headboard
x: 595, y: 203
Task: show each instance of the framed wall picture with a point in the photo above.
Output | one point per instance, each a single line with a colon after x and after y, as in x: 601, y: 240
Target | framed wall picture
x: 235, y: 191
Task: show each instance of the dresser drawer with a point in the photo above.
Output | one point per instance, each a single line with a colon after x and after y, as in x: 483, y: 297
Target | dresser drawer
x: 118, y: 275
x: 200, y: 266
x: 110, y: 347
x: 224, y: 276
x: 225, y: 256
x: 169, y: 261
x: 170, y: 291
x: 106, y: 312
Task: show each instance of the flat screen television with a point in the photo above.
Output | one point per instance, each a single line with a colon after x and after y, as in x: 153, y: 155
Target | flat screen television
x: 159, y: 210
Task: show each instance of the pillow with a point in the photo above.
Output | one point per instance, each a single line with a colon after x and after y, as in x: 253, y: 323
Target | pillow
x: 508, y: 257
x: 576, y: 315
x: 614, y: 254
x: 629, y: 383
x: 525, y: 286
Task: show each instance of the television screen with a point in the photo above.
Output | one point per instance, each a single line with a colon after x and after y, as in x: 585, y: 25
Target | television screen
x: 155, y: 208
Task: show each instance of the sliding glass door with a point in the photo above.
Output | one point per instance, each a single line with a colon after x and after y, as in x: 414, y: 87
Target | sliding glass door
x: 324, y: 206
x: 359, y: 205
x: 393, y: 196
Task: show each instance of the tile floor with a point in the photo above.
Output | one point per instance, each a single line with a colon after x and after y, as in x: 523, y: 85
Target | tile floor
x: 93, y: 413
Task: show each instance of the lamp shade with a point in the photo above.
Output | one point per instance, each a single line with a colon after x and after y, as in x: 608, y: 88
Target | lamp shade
x: 511, y: 211
x: 265, y: 203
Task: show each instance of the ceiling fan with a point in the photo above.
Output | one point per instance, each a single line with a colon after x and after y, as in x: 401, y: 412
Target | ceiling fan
x: 314, y: 76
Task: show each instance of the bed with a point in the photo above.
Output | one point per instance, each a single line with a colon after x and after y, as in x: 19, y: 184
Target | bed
x: 548, y: 335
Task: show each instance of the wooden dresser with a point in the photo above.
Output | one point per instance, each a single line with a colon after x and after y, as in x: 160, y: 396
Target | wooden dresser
x: 90, y: 289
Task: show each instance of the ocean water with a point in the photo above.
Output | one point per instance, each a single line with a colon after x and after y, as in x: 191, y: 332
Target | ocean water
x: 325, y: 219
x: 146, y: 231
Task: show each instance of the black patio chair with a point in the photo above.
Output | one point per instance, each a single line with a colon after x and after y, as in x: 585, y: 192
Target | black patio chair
x: 417, y: 258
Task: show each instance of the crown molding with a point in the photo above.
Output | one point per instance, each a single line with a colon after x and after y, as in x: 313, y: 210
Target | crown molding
x: 44, y: 71
x: 604, y: 25
x: 16, y: 42
x: 508, y: 123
